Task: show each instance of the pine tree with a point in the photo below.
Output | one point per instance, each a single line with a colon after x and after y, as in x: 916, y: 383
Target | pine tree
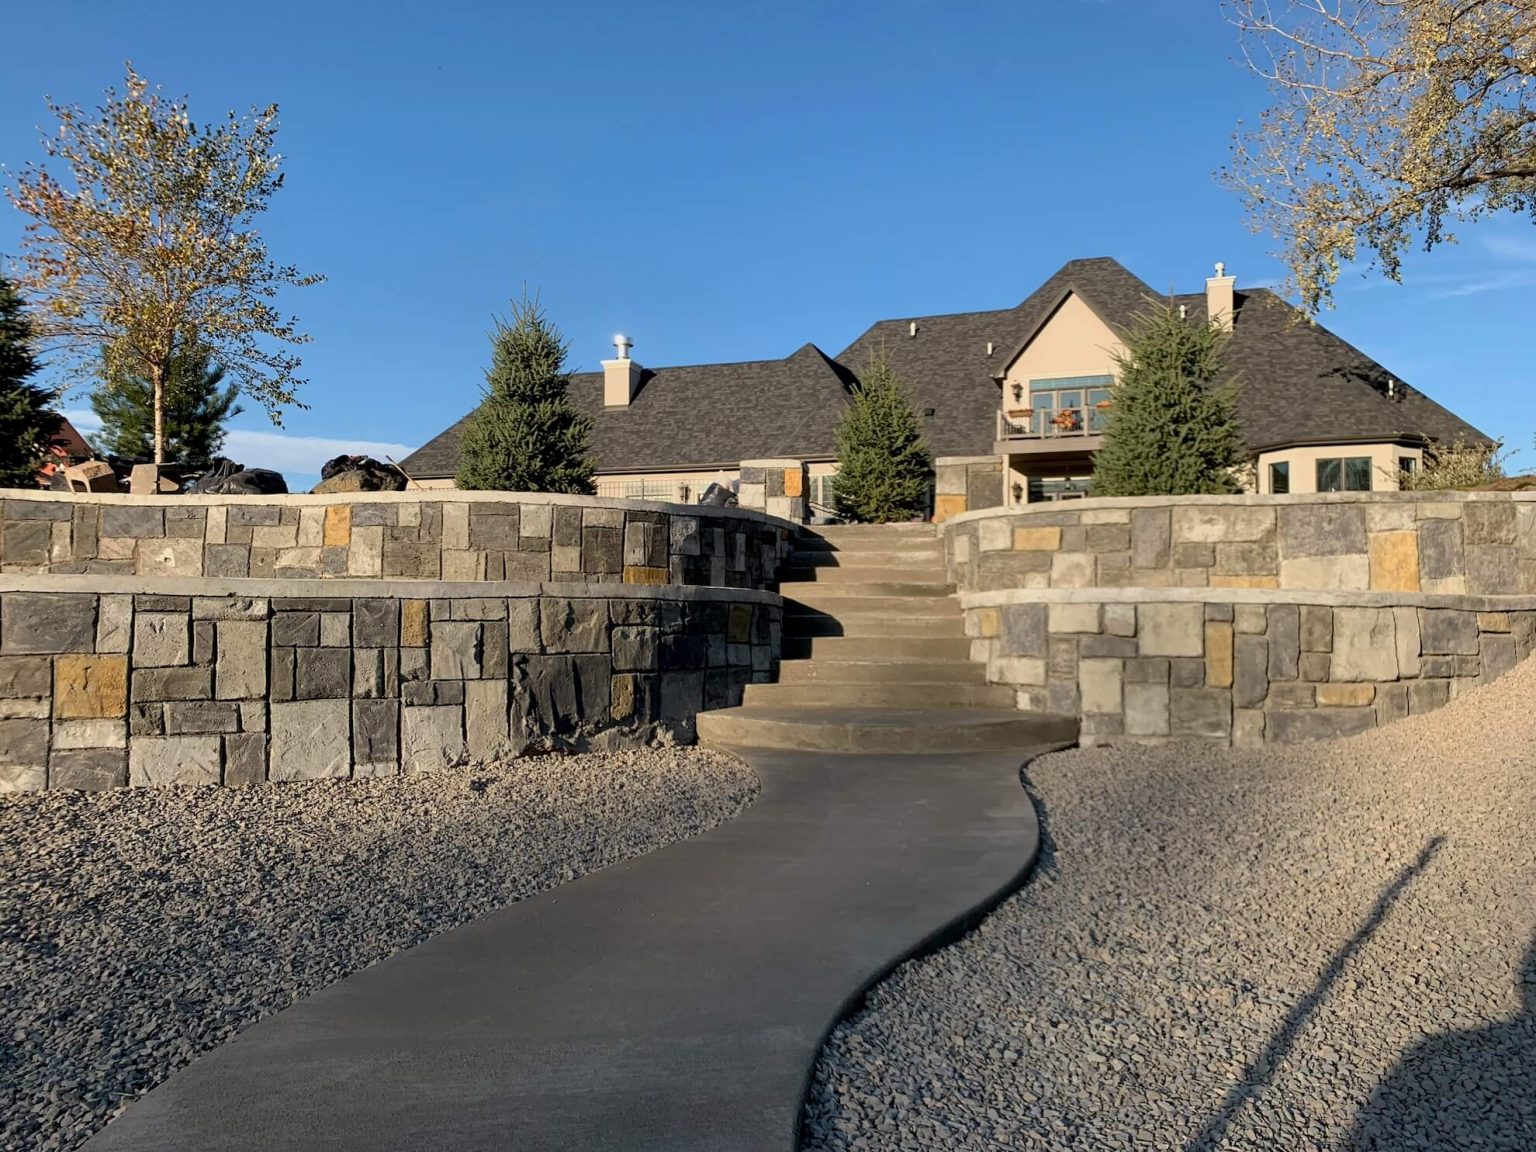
x: 1173, y: 428
x: 26, y: 424
x: 526, y: 436
x: 195, y: 410
x: 883, y: 467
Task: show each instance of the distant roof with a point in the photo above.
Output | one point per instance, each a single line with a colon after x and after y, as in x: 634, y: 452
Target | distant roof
x: 1298, y: 384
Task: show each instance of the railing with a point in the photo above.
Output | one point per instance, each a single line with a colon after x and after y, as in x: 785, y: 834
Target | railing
x: 1052, y: 423
x: 666, y: 491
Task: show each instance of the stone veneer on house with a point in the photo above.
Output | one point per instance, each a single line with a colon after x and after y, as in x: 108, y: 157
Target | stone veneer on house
x: 1249, y: 619
x: 107, y: 681
x: 394, y: 535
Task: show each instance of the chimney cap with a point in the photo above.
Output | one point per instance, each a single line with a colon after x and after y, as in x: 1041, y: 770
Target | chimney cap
x: 622, y: 344
x: 1221, y: 269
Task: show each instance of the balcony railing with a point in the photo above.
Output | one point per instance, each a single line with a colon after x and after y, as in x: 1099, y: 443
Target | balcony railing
x: 1052, y: 423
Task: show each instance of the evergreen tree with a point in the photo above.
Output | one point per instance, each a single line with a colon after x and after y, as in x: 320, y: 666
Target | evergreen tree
x: 26, y: 424
x: 883, y: 467
x: 1173, y: 428
x: 525, y: 436
x: 195, y: 410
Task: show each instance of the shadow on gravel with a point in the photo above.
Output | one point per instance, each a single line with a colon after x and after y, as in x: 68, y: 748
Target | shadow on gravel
x: 1258, y: 1074
x: 1473, y: 1089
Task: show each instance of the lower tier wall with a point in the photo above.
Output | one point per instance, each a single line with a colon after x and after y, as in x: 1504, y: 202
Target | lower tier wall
x: 1242, y: 667
x: 106, y: 682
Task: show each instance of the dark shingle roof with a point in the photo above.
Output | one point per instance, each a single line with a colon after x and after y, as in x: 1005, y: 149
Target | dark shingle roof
x: 701, y: 416
x: 1299, y: 384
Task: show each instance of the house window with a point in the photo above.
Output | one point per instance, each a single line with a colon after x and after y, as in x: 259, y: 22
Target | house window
x: 1407, y: 463
x: 1069, y: 405
x: 1054, y: 489
x: 1347, y: 474
x: 1280, y: 478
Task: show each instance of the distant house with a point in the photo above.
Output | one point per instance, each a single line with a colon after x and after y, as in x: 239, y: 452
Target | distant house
x: 1028, y: 385
x: 67, y: 447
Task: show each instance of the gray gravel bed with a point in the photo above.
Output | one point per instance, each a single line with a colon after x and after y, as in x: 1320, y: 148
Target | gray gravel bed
x: 141, y: 927
x: 1328, y: 946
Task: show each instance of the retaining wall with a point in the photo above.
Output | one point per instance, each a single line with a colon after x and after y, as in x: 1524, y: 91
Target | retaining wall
x: 1248, y: 619
x: 394, y: 535
x: 106, y: 681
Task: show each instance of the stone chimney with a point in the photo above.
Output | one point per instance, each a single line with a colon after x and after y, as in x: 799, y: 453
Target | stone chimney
x: 621, y: 375
x: 1219, y: 292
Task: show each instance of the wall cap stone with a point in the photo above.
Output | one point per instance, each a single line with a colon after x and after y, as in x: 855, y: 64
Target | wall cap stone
x: 1203, y: 595
x: 958, y: 460
x: 1246, y: 500
x: 375, y: 589
x: 414, y: 496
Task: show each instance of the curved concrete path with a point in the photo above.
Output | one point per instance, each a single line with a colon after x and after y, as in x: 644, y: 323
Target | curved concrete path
x: 676, y: 1001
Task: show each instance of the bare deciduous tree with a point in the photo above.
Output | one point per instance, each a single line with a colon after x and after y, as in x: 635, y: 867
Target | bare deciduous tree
x: 150, y: 246
x: 1390, y: 120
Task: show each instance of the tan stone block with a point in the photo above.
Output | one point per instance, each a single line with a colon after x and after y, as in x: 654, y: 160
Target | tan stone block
x: 1218, y: 654
x: 946, y: 506
x: 1493, y: 621
x: 216, y: 529
x: 1450, y: 586
x: 622, y: 692
x: 338, y: 526
x: 90, y: 686
x: 413, y: 623
x: 1395, y: 561
x: 644, y: 574
x: 456, y: 526
x: 366, y: 555
x: 1036, y: 539
x: 1219, y: 581
x: 1072, y: 570
x: 311, y: 527
x: 794, y: 482
x: 1104, y: 516
x: 115, y: 547
x: 1345, y: 695
x: 463, y: 565
x: 275, y: 536
x: 987, y: 622
x: 1326, y: 573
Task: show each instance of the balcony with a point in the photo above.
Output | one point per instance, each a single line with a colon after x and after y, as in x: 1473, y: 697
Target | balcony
x: 1043, y: 430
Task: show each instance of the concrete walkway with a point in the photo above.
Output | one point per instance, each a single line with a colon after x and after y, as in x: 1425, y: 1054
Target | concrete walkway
x: 676, y: 1001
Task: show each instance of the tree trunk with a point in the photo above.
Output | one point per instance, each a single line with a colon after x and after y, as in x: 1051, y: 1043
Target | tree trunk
x: 157, y: 377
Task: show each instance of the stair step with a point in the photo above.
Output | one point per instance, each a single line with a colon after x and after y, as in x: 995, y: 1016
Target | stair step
x: 897, y: 599
x: 910, y: 574
x: 886, y: 730
x: 824, y: 671
x: 877, y: 647
x: 928, y: 556
x: 872, y: 625
x: 894, y: 695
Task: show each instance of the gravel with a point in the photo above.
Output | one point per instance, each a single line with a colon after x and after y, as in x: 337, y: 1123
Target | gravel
x: 141, y: 927
x: 1328, y: 946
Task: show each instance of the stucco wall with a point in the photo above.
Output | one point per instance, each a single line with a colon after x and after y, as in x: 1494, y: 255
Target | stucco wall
x: 1073, y: 342
x: 1248, y: 619
x: 108, y: 681
x: 1303, y: 461
x: 406, y: 535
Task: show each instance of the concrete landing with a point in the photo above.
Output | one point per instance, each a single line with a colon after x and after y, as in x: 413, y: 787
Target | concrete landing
x: 673, y: 1002
x: 873, y: 729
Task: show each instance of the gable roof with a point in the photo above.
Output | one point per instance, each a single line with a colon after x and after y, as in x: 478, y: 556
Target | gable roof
x: 695, y: 417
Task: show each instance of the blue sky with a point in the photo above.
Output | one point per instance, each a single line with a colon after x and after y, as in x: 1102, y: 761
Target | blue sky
x: 728, y: 181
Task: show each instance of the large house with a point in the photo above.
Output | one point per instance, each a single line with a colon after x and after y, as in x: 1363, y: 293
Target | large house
x: 1028, y: 387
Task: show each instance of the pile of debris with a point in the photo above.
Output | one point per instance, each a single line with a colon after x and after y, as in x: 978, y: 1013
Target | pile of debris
x: 112, y: 474
x: 359, y: 474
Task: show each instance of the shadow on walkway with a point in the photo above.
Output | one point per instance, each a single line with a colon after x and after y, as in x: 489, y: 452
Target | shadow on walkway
x: 1258, y: 1074
x: 1473, y: 1089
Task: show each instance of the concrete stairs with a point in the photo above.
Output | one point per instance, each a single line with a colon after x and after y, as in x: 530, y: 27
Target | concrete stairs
x: 875, y: 657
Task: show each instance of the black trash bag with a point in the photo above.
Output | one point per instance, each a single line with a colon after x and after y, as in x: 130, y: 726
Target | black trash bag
x: 211, y: 482
x: 342, y: 463
x: 254, y: 482
x: 359, y: 474
x: 718, y: 496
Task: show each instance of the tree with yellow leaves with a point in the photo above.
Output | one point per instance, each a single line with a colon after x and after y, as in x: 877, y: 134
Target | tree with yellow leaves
x: 142, y: 241
x: 1390, y: 120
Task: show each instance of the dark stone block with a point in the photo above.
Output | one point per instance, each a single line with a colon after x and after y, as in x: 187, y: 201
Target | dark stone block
x: 493, y: 527
x: 146, y: 719
x: 171, y: 684
x: 1098, y: 647
x: 983, y: 488
x: 185, y: 523
x: 1186, y: 672
x: 26, y: 542
x: 376, y: 731
x: 245, y: 759
x: 1440, y: 549
x: 281, y: 671
x: 202, y: 642
x: 567, y: 526
x: 376, y: 623
x: 1284, y: 635
x: 322, y: 674
x: 1447, y: 631
x: 83, y: 532
x: 683, y: 650
x: 26, y: 677
x: 1489, y: 522
x: 373, y: 515
x: 602, y: 550
x: 132, y: 520
x: 226, y: 560
x: 88, y: 769
x: 295, y: 629
x: 37, y: 510
x: 1322, y: 530
x: 37, y: 622
x: 1286, y: 727
x: 195, y: 717
x: 1022, y: 630
x: 1200, y: 712
x: 248, y: 516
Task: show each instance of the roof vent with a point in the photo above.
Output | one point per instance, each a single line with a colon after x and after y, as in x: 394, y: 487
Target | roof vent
x: 1183, y: 311
x: 989, y: 347
x: 622, y: 344
x: 912, y: 328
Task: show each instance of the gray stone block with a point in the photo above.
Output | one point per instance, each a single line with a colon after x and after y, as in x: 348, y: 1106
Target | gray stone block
x: 38, y: 622
x: 457, y: 650
x: 368, y: 673
x: 240, y: 668
x: 295, y: 629
x: 146, y: 719
x: 523, y: 625
x: 1186, y: 672
x: 1220, y: 613
x: 1250, y: 618
x: 567, y: 527
x: 200, y: 717
x: 245, y: 759
x: 154, y: 760
x: 132, y: 520
x: 1427, y: 695
x: 1316, y: 628
x: 322, y: 673
x: 1284, y: 635
x: 1194, y: 554
x: 26, y: 542
x: 226, y: 560
x: 1200, y: 712
x: 574, y: 625
x: 485, y: 719
x: 23, y: 741
x: 1146, y: 709
x: 1147, y: 670
x: 645, y: 542
x: 684, y: 533
x: 413, y: 665
x: 1022, y: 630
x: 682, y: 695
x: 1284, y: 726
x: 1391, y: 703
x: 1447, y: 631
x: 636, y: 649
x: 432, y: 738
x: 1440, y: 549
x: 1322, y: 530
x: 376, y: 623
x: 1061, y: 658
x: 161, y: 640
x: 114, y: 624
x: 1171, y: 629
x: 1315, y: 666
x: 252, y: 515
x: 602, y: 549
x: 1151, y: 537
x: 335, y: 629
x: 1489, y: 522
x: 1492, y: 570
x: 1120, y: 619
x: 1094, y: 647
x: 1498, y: 654
x: 311, y: 740
x: 376, y: 731
x: 1364, y: 645
x: 202, y: 641
x: 26, y: 677
x: 88, y: 769
x: 171, y: 684
x: 1250, y: 670
x: 1061, y: 697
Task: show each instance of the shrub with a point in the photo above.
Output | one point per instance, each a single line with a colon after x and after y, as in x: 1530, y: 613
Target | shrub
x: 1458, y: 465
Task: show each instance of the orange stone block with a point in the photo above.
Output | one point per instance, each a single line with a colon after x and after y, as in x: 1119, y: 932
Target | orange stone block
x: 946, y: 506
x: 1218, y: 654
x: 644, y: 574
x: 338, y: 525
x: 1244, y: 581
x: 1036, y: 539
x: 90, y: 686
x: 413, y: 624
x: 1394, y: 561
x: 794, y: 482
x: 1345, y: 695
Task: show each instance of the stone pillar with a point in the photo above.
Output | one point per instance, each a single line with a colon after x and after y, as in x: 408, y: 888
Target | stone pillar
x: 966, y: 483
x: 778, y: 487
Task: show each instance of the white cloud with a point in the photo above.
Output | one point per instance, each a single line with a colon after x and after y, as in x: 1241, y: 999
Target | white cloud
x: 290, y: 455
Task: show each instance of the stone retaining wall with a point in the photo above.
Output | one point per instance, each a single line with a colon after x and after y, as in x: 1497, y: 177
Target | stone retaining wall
x: 1452, y: 543
x: 966, y: 484
x: 1248, y: 619
x: 404, y: 535
x: 107, y: 681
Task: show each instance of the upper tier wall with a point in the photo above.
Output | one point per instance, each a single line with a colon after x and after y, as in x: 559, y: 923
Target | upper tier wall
x: 1456, y: 543
x: 392, y: 535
